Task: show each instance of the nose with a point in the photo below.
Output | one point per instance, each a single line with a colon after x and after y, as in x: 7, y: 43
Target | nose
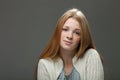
x: 70, y: 35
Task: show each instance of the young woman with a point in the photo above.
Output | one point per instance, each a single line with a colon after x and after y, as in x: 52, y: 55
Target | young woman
x: 70, y: 53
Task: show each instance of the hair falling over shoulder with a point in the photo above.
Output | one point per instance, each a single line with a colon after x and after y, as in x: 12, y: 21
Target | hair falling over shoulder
x: 52, y: 48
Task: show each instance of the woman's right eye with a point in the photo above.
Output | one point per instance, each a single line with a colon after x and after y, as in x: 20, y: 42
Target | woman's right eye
x: 65, y: 29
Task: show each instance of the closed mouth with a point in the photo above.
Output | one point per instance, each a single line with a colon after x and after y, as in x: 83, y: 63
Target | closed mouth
x: 68, y: 42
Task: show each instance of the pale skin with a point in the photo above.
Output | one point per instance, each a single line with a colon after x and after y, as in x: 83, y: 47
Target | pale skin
x: 70, y: 38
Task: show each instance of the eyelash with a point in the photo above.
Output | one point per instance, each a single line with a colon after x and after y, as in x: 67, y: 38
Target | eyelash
x: 78, y: 33
x: 64, y: 29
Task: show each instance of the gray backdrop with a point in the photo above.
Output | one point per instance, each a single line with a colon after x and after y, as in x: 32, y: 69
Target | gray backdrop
x: 26, y: 26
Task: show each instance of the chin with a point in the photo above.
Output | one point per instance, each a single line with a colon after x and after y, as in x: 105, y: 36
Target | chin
x: 67, y: 48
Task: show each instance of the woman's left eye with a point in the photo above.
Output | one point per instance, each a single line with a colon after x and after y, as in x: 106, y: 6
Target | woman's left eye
x: 78, y: 33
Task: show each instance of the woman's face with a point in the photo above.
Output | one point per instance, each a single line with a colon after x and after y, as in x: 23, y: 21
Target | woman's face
x: 70, y: 35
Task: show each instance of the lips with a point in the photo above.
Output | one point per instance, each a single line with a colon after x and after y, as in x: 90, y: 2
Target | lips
x: 67, y: 42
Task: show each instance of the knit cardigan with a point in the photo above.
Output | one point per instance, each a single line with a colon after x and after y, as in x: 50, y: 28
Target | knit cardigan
x: 89, y: 66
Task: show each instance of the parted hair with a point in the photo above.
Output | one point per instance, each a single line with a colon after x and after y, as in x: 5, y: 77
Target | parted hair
x: 52, y: 48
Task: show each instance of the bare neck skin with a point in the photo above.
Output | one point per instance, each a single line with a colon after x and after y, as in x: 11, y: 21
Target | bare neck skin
x: 67, y: 60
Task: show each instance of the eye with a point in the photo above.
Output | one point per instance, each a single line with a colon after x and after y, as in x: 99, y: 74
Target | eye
x: 77, y: 32
x: 64, y: 29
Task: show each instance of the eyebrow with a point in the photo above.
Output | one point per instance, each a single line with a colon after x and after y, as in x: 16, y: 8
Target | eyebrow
x: 66, y: 26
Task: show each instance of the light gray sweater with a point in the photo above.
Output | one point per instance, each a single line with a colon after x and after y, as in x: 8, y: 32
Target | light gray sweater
x: 89, y: 66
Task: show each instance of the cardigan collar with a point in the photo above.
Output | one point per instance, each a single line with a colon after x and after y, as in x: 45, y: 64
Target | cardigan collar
x: 59, y: 65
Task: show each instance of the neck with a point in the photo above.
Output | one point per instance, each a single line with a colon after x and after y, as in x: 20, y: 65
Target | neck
x: 67, y: 59
x: 67, y: 55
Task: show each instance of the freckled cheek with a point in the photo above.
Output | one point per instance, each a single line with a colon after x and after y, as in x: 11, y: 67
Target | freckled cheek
x: 62, y: 36
x: 77, y: 40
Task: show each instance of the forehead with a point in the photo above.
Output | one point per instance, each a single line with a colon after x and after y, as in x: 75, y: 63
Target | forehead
x: 71, y: 22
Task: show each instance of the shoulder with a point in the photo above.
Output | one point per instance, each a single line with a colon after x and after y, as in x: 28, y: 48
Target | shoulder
x: 91, y: 53
x: 93, y: 57
x: 94, y: 65
x: 45, y: 68
x: 50, y: 67
x: 45, y: 62
x: 48, y: 62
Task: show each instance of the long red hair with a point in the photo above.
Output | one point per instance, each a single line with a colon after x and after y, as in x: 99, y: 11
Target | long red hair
x: 86, y: 42
x: 52, y: 48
